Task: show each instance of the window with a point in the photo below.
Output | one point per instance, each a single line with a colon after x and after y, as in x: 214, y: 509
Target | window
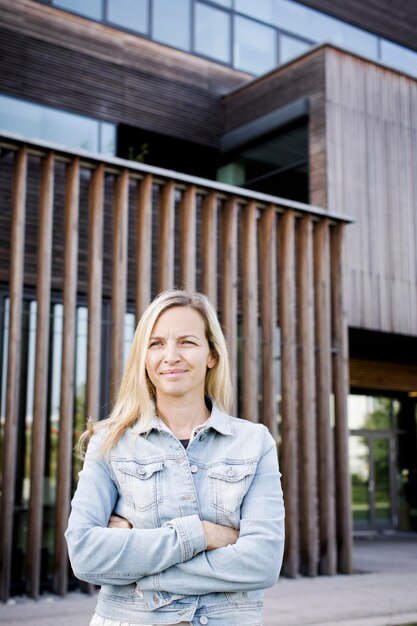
x: 290, y: 47
x: 267, y: 10
x: 131, y: 14
x: 212, y: 32
x: 89, y: 8
x: 170, y: 23
x: 399, y: 57
x: 42, y: 122
x: 255, y: 48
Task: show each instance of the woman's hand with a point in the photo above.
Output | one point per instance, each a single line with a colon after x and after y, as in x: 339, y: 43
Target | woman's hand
x: 218, y: 536
x: 116, y: 521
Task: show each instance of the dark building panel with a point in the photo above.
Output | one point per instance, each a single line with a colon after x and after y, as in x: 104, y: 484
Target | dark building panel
x: 393, y: 19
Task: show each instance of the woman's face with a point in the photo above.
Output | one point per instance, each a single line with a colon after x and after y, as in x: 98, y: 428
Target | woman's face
x: 178, y: 354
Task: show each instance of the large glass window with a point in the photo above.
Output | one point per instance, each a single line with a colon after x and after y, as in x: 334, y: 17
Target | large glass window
x: 399, y: 57
x: 89, y: 8
x: 131, y: 14
x: 266, y: 10
x: 41, y: 122
x: 255, y: 48
x: 259, y: 27
x: 171, y: 22
x: 212, y: 32
x: 290, y: 47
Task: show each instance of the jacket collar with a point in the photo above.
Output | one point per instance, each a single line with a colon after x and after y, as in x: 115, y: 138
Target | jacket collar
x: 218, y: 421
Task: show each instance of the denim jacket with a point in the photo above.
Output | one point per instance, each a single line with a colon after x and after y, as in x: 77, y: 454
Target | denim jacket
x: 159, y: 571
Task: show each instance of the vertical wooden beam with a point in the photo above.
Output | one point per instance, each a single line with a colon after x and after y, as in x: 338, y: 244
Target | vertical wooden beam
x: 94, y: 290
x: 268, y: 318
x: 119, y: 278
x: 250, y: 313
x: 306, y: 394
x: 326, y: 493
x: 188, y: 239
x: 341, y: 390
x: 17, y: 251
x: 65, y: 441
x: 286, y: 287
x: 209, y: 245
x: 229, y: 285
x: 166, y: 242
x: 143, y: 245
x: 40, y: 418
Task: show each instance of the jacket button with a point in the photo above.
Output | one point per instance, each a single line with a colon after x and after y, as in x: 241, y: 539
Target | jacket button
x: 203, y: 619
x: 155, y: 598
x: 230, y: 471
x: 194, y: 469
x: 181, y: 459
x: 141, y: 471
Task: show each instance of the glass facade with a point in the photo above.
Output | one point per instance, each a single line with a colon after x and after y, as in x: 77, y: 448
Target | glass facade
x: 261, y: 34
x: 41, y: 122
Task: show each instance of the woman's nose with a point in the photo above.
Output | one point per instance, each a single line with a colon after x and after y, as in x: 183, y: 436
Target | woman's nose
x: 171, y: 353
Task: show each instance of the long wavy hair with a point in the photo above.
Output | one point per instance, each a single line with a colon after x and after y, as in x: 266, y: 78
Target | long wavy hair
x: 136, y: 398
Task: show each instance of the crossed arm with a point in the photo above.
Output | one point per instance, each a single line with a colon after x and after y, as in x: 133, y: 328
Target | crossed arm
x: 185, y: 553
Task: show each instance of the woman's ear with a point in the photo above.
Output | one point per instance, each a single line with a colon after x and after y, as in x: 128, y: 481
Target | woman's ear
x: 212, y: 360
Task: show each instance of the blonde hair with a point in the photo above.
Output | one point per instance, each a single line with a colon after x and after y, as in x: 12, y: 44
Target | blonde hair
x: 135, y: 401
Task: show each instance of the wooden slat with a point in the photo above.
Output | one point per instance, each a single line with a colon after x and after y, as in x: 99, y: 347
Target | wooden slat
x: 94, y: 291
x: 306, y: 395
x: 326, y: 493
x: 250, y: 313
x: 65, y: 441
x: 341, y: 390
x: 17, y: 246
x: 119, y: 278
x: 286, y: 287
x: 268, y: 318
x: 209, y: 246
x: 229, y: 285
x: 143, y: 245
x: 40, y: 417
x: 188, y: 239
x: 166, y: 242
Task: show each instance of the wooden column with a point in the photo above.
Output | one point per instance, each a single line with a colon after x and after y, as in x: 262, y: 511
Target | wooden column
x: 166, y: 241
x: 289, y: 390
x: 119, y: 279
x: 229, y: 285
x: 40, y: 418
x: 341, y: 390
x: 306, y: 406
x: 188, y: 239
x: 209, y: 245
x: 143, y: 245
x: 326, y: 493
x: 94, y: 290
x: 65, y: 442
x: 250, y: 313
x: 17, y: 252
x: 268, y: 317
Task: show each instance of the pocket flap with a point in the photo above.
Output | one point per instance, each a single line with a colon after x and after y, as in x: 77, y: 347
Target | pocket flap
x: 140, y: 470
x: 231, y: 472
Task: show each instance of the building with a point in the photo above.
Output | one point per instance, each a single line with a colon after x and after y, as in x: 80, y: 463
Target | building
x: 230, y: 154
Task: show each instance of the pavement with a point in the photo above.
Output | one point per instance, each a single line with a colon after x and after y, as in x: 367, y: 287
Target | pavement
x: 381, y: 592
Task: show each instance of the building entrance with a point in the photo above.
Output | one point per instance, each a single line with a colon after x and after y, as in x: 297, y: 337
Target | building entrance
x: 382, y: 458
x: 373, y: 462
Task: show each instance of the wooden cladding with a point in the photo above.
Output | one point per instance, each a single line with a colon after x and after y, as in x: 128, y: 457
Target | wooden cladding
x: 265, y: 265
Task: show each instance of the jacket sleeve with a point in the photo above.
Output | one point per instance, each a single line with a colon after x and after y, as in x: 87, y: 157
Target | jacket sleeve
x: 117, y: 556
x: 254, y: 561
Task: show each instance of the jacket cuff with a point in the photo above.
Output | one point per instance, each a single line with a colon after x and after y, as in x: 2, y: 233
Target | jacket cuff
x: 191, y: 535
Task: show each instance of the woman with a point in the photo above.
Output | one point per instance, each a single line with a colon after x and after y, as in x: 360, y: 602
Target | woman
x: 198, y: 491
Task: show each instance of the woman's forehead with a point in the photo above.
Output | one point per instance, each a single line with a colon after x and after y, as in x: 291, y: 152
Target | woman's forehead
x: 180, y: 320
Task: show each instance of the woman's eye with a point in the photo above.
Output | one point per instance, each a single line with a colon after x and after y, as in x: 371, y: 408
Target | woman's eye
x: 188, y: 341
x: 154, y: 343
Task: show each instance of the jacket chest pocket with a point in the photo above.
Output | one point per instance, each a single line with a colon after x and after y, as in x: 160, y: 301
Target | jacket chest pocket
x: 229, y: 484
x: 141, y: 483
